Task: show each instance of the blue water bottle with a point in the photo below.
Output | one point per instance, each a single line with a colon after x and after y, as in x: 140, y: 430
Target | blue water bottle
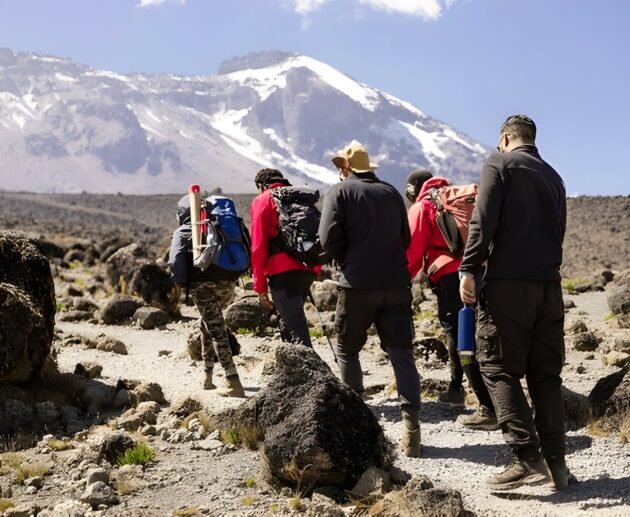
x: 466, y: 331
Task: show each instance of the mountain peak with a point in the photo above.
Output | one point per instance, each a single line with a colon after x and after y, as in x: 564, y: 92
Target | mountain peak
x: 254, y: 61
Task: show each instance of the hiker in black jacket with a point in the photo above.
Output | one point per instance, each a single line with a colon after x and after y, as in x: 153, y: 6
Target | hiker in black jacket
x: 364, y: 228
x: 518, y: 227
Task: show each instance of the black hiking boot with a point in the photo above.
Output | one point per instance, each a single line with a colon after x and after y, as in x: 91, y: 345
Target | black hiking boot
x: 560, y: 473
x: 529, y: 472
x: 483, y: 420
x: 454, y: 397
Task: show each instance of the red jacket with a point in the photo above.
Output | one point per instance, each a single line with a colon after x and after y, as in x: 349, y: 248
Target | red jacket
x: 264, y: 227
x: 427, y: 242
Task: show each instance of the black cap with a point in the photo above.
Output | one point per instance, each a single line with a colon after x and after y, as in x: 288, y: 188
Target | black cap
x: 415, y: 180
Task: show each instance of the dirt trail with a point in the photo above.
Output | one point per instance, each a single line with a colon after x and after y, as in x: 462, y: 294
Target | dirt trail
x: 453, y: 457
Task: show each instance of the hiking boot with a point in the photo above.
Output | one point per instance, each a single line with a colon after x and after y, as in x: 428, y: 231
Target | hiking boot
x: 522, y: 472
x: 234, y: 388
x: 410, y: 442
x: 560, y: 473
x: 483, y: 419
x: 207, y: 383
x: 453, y: 396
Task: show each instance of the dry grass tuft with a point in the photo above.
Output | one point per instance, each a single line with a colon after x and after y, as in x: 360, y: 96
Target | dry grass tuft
x: 193, y: 511
x: 5, y: 504
x: 30, y: 470
x: 59, y: 445
x: 128, y: 485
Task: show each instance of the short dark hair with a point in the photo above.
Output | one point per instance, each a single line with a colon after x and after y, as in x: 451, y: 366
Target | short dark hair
x: 520, y: 126
x: 267, y: 176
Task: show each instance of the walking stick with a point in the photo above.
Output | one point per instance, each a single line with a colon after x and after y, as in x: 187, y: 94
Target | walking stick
x: 321, y: 322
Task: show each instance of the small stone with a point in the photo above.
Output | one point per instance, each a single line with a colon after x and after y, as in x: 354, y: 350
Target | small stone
x: 373, y: 482
x: 97, y: 474
x: 164, y: 353
x: 98, y: 494
x: 150, y: 392
x: 585, y: 341
x: 111, y: 344
x: 36, y: 482
x: 614, y: 358
x: 569, y: 304
x: 581, y: 369
x: 208, y: 445
x: 88, y: 369
x: 577, y: 327
x: 150, y: 317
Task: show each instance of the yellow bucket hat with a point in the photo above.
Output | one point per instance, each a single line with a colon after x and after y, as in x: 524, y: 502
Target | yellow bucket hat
x: 354, y: 157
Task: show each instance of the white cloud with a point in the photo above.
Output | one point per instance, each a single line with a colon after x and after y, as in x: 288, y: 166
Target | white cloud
x: 307, y: 6
x: 151, y: 3
x: 427, y: 9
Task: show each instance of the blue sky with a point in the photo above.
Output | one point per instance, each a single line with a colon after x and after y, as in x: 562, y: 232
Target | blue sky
x: 469, y: 63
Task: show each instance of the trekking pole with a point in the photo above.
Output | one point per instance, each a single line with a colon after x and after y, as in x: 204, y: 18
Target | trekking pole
x: 321, y: 322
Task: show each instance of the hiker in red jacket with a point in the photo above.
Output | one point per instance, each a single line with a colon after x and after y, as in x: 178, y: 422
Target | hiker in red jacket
x: 429, y: 252
x: 274, y: 270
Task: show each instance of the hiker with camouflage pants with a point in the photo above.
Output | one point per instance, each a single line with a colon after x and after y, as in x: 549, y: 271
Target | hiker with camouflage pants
x: 210, y: 298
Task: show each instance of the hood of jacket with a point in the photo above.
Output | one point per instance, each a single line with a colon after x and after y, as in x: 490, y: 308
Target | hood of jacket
x: 183, y: 210
x: 434, y: 182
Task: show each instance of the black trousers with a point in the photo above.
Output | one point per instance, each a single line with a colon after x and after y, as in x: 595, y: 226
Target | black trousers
x: 449, y: 304
x: 520, y: 333
x: 390, y: 310
x: 289, y: 292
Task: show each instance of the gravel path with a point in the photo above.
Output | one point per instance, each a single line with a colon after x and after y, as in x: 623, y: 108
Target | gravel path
x: 453, y: 457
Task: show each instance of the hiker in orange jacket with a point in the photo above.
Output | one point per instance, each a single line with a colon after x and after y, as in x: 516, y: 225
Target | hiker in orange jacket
x: 428, y: 251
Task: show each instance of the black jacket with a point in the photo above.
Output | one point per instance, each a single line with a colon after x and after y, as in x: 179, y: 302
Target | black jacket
x: 520, y: 218
x: 364, y: 228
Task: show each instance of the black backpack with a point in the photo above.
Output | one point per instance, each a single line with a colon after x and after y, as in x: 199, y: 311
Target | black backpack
x: 298, y: 224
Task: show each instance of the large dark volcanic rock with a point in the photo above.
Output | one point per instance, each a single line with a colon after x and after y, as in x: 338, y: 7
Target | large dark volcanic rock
x: 610, y: 399
x: 246, y: 313
x: 313, y: 424
x: 27, y: 309
x: 130, y: 270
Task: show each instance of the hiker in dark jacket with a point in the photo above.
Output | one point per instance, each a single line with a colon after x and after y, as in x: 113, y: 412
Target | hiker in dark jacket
x: 518, y: 227
x: 210, y: 297
x: 427, y: 248
x: 364, y: 228
x: 275, y: 270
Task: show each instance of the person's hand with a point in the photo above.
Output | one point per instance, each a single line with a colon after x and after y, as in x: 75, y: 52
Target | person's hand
x: 264, y: 300
x: 467, y: 289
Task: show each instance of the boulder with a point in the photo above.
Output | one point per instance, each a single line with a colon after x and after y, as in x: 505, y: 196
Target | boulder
x: 301, y: 412
x: 24, y: 340
x: 151, y: 317
x: 119, y: 308
x: 156, y: 287
x: 419, y: 497
x: 604, y: 391
x: 110, y: 344
x: 575, y: 409
x: 89, y: 370
x: 149, y: 392
x: 325, y: 295
x: 121, y: 265
x: 27, y: 309
x: 115, y: 445
x: 96, y: 474
x: 584, y: 341
x: 98, y: 494
x: 246, y: 313
x: 618, y: 297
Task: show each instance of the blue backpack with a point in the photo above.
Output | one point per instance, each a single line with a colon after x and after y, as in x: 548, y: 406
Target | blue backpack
x: 226, y: 241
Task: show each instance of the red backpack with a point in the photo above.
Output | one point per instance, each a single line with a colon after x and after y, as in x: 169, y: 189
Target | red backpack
x: 455, y: 205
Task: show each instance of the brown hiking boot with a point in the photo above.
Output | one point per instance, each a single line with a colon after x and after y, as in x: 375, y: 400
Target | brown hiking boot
x: 521, y: 472
x: 234, y: 388
x: 207, y: 383
x: 454, y: 397
x: 410, y: 442
x: 483, y: 419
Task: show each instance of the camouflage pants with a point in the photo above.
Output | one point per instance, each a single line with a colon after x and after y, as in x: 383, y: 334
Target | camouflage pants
x: 210, y: 299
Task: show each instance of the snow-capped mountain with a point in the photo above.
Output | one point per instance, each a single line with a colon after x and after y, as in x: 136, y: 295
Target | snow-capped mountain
x: 67, y: 127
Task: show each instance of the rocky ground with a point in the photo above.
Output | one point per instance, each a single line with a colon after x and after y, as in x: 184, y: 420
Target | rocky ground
x: 130, y: 376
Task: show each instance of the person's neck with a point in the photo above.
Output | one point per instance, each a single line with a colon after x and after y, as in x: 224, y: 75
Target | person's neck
x: 516, y: 143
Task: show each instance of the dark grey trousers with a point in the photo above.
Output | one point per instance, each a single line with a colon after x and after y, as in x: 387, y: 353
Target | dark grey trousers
x: 390, y: 311
x: 520, y: 332
x: 289, y: 302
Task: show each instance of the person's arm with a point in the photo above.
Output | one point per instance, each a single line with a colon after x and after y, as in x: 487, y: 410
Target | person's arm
x: 485, y: 218
x: 331, y: 227
x: 421, y: 227
x: 260, y: 235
